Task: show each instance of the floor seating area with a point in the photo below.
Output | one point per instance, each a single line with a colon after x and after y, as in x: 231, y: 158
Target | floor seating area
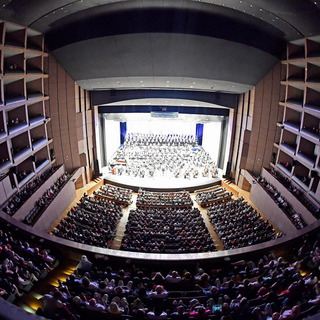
x: 115, y: 194
x: 239, y: 225
x: 166, y: 230
x: 212, y: 196
x: 93, y: 222
x: 163, y: 199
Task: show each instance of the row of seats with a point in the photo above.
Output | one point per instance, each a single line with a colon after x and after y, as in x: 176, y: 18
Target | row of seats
x: 166, y: 230
x: 47, y: 197
x: 112, y: 193
x: 267, y: 288
x: 239, y: 225
x: 92, y: 222
x: 18, y: 199
x: 294, y: 216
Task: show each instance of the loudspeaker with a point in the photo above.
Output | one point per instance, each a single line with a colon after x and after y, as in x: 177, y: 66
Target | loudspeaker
x: 13, y: 170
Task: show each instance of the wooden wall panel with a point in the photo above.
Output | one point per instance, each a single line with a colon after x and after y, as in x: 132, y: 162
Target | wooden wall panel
x: 70, y: 123
x: 259, y: 114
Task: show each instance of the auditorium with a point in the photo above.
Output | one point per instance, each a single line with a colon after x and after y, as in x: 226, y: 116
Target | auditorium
x: 159, y: 159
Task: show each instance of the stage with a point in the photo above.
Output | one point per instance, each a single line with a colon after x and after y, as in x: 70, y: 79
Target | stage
x: 160, y: 183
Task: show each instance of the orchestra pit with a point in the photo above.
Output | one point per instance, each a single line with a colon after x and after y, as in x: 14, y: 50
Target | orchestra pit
x: 159, y: 159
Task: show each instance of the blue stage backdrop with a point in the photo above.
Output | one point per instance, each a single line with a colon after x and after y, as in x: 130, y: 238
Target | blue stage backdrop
x: 123, y: 132
x: 199, y: 133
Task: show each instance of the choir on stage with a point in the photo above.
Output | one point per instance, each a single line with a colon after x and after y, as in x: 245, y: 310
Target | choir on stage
x: 159, y: 155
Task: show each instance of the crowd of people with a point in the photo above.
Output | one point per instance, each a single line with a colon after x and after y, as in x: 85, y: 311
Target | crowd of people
x: 294, y: 216
x: 171, y: 156
x: 239, y: 225
x: 115, y: 194
x: 18, y: 199
x: 92, y: 222
x: 268, y: 288
x: 46, y: 198
x: 22, y: 263
x: 163, y: 199
x: 166, y: 230
x: 300, y: 195
x: 149, y: 139
x: 216, y: 195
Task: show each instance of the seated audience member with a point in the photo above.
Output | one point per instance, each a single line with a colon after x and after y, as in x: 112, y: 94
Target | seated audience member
x: 51, y: 303
x: 180, y: 314
x: 158, y: 293
x: 173, y: 277
x: 292, y: 313
x: 84, y: 265
x: 157, y: 314
x: 92, y: 304
x: 115, y: 309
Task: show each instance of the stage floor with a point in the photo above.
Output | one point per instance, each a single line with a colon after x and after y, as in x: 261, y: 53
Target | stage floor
x: 161, y: 183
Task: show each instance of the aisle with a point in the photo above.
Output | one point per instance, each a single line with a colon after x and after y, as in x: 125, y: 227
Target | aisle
x: 31, y: 300
x: 216, y: 240
x: 121, y: 227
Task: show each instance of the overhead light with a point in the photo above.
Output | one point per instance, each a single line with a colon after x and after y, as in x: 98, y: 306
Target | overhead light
x: 141, y: 81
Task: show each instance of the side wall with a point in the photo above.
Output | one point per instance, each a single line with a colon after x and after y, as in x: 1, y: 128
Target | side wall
x: 71, y: 124
x: 255, y: 126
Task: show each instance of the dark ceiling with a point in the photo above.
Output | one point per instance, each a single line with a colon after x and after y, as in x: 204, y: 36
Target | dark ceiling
x: 218, y: 45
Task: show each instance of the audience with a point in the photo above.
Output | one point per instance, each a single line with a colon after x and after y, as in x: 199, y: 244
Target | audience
x: 295, y: 217
x: 17, y: 200
x: 22, y: 263
x: 239, y: 225
x: 207, y: 197
x: 47, y: 197
x: 300, y: 195
x: 115, y: 194
x: 268, y: 288
x: 163, y: 199
x: 166, y: 230
x: 92, y: 222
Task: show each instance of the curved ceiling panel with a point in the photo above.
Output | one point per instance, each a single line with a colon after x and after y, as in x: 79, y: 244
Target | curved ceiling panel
x: 179, y: 61
x: 100, y: 42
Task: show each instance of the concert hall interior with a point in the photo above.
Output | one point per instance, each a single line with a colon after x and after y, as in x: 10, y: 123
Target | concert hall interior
x: 159, y: 159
